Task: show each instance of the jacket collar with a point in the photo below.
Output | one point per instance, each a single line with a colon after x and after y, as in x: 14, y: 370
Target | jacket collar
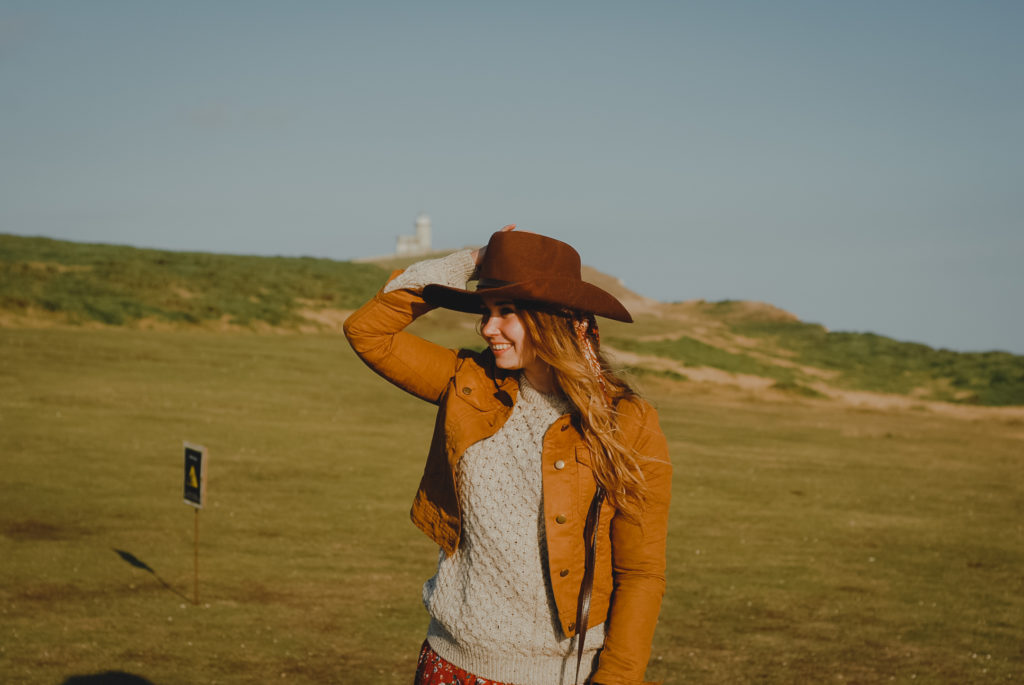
x: 506, y: 383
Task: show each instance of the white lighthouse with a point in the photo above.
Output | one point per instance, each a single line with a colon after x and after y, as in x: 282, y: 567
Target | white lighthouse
x: 415, y: 244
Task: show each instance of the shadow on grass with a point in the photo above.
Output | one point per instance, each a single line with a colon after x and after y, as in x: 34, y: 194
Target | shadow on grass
x: 139, y: 563
x: 108, y: 678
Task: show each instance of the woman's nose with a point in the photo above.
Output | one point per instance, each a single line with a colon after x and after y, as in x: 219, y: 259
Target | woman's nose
x: 490, y: 327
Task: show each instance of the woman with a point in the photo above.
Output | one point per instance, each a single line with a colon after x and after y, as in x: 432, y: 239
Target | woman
x: 547, y: 482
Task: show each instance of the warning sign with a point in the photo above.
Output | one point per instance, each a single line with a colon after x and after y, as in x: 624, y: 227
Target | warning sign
x: 195, y: 475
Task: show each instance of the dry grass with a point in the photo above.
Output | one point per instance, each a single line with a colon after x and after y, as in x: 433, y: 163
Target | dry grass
x: 810, y: 542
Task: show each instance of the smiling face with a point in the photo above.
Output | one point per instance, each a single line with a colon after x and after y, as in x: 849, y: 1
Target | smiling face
x: 503, y: 331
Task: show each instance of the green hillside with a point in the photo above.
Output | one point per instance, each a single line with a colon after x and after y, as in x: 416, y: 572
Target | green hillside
x: 117, y: 285
x: 873, y: 362
x: 800, y: 356
x: 75, y: 283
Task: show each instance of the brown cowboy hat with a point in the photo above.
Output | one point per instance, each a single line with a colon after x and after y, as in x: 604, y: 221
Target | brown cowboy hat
x: 518, y: 265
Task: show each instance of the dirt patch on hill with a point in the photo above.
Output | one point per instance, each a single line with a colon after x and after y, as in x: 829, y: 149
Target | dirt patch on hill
x: 323, y: 319
x: 888, y: 402
x: 55, y: 267
x: 315, y: 321
x: 40, y: 318
x: 703, y: 374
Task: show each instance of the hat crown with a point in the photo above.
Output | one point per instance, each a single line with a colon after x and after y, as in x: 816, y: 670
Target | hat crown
x: 529, y: 267
x: 516, y: 256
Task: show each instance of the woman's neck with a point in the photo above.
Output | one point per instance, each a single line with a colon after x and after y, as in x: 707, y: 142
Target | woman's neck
x: 540, y: 376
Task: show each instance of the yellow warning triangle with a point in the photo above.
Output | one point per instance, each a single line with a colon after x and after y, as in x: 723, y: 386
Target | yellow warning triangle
x: 193, y: 482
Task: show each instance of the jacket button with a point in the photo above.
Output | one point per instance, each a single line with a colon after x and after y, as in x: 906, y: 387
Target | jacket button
x: 565, y: 427
x: 571, y: 626
x: 467, y: 390
x: 560, y: 518
x: 564, y: 572
x: 559, y: 465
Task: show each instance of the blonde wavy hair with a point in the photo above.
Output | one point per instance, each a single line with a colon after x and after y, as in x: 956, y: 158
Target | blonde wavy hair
x: 556, y: 341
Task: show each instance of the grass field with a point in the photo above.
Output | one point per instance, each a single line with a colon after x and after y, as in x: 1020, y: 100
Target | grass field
x: 810, y: 542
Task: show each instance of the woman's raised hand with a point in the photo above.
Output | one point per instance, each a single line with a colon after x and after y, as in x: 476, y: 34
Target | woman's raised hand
x: 478, y: 254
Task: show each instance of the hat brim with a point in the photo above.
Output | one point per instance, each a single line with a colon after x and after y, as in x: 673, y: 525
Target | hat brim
x: 560, y: 292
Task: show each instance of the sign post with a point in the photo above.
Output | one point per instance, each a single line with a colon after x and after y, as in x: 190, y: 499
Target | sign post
x: 195, y: 495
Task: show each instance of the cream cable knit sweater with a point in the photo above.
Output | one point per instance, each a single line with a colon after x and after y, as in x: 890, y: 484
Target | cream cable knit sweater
x: 491, y: 607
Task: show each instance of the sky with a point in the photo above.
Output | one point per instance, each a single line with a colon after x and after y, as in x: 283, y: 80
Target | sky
x: 857, y: 163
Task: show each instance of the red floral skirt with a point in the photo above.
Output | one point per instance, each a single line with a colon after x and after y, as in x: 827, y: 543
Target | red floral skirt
x: 433, y: 670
